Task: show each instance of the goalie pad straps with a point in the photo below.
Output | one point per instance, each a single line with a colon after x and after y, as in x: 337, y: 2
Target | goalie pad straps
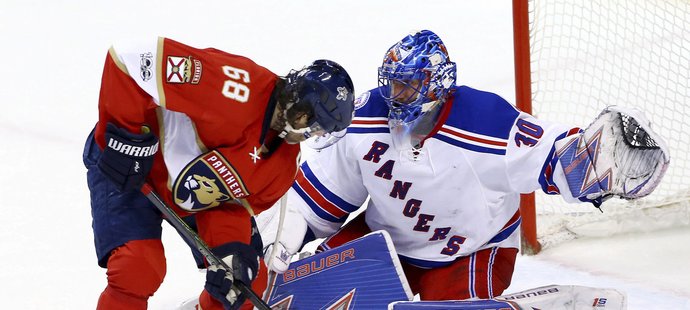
x: 618, y: 154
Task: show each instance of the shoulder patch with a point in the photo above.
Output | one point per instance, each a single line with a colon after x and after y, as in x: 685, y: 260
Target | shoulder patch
x: 362, y: 100
x: 206, y: 182
x: 183, y: 70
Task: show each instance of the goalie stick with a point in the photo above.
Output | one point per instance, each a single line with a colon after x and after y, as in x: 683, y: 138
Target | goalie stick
x: 193, y: 239
x: 276, y: 242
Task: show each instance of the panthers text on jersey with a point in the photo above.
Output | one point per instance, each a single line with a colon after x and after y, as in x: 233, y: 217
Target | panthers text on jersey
x: 211, y: 111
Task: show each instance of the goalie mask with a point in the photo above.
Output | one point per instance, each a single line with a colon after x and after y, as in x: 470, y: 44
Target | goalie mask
x: 415, y: 78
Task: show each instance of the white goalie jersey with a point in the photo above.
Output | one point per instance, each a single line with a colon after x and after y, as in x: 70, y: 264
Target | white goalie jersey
x: 457, y: 194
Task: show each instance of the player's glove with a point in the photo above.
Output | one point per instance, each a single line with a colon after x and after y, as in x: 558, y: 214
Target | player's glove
x: 127, y: 158
x: 244, y: 261
x: 617, y: 155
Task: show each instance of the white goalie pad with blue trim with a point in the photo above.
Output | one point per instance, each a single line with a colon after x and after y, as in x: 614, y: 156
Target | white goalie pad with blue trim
x: 362, y: 274
x: 487, y: 304
x: 552, y: 297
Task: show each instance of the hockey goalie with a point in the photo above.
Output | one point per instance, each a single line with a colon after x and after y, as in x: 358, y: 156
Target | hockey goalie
x: 440, y: 168
x: 623, y: 158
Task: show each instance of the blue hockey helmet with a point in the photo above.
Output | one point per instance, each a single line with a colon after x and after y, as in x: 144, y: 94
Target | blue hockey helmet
x: 324, y: 92
x: 416, y: 74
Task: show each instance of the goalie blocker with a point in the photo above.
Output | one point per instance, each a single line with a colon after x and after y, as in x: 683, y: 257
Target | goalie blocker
x: 616, y: 155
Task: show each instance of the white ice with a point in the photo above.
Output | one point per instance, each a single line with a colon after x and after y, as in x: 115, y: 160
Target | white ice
x: 52, y: 54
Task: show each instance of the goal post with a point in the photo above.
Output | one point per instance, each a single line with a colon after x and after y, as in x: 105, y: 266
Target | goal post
x: 572, y: 59
x: 523, y: 101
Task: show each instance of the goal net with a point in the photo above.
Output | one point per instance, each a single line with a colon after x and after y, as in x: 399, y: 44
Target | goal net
x: 587, y: 54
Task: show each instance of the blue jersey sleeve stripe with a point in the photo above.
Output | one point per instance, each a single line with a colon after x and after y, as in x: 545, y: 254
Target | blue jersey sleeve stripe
x: 358, y: 130
x: 330, y: 196
x: 468, y: 146
x: 506, y: 232
x: 546, y: 175
x: 315, y: 207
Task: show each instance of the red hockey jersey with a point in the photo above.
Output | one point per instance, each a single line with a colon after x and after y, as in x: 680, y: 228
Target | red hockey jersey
x: 211, y: 111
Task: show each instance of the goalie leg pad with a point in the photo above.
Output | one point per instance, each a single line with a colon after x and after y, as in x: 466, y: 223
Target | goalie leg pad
x: 487, y: 304
x: 553, y: 297
x: 568, y: 297
x: 362, y: 274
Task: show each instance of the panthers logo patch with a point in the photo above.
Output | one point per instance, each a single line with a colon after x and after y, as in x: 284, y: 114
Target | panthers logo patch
x: 206, y: 182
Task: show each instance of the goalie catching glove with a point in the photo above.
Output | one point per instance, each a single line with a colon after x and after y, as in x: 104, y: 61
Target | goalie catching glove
x: 617, y: 155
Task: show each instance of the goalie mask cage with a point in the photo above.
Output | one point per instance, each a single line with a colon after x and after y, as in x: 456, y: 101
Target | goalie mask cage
x: 575, y: 57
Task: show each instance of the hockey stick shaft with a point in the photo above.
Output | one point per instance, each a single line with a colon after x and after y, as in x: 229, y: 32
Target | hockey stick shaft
x: 193, y: 239
x: 271, y: 273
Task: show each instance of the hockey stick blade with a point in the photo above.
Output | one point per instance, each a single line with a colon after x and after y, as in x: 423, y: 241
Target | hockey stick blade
x: 193, y: 239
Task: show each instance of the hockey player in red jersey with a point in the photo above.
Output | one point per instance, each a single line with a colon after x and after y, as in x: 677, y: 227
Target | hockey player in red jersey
x: 441, y: 167
x: 217, y: 137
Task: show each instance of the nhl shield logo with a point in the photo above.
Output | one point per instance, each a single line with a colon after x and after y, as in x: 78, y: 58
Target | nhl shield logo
x: 207, y: 182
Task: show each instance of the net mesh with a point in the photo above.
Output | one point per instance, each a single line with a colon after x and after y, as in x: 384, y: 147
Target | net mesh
x: 586, y: 55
